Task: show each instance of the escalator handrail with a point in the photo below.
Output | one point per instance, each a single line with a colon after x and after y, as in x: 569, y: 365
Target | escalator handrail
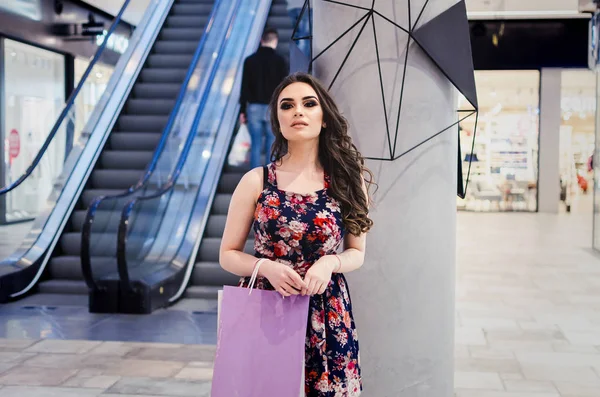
x: 172, y: 180
x: 68, y: 105
x: 86, y: 233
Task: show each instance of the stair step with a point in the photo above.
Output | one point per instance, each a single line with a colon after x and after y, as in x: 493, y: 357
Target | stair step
x: 64, y: 287
x: 212, y: 274
x: 115, y: 179
x: 68, y: 267
x: 183, y: 34
x: 221, y: 204
x: 142, y: 123
x: 180, y: 47
x: 168, y: 61
x: 142, y: 141
x: 150, y: 106
x: 90, y: 195
x: 229, y: 182
x: 202, y: 9
x: 168, y: 76
x: 184, y: 21
x: 209, y: 249
x: 156, y: 91
x: 125, y: 159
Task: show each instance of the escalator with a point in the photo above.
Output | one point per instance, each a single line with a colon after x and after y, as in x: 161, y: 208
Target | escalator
x: 135, y: 136
x: 117, y: 158
x: 163, y: 230
x: 208, y: 276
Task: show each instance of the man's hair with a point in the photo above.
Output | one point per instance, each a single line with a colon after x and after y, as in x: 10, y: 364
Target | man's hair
x: 269, y: 35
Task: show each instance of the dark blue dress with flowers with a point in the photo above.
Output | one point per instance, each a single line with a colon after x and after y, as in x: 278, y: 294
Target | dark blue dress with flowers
x: 297, y: 230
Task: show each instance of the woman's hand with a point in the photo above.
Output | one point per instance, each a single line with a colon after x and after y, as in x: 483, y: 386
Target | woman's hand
x: 283, y: 278
x: 318, y: 276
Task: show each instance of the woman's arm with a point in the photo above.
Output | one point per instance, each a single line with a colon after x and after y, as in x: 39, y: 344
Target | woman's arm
x: 239, y: 220
x: 353, y: 256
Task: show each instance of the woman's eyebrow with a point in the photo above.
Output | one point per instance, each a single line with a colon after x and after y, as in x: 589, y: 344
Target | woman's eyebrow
x: 291, y: 99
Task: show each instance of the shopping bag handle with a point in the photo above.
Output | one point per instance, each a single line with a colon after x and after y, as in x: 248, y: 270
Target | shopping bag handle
x: 255, y: 275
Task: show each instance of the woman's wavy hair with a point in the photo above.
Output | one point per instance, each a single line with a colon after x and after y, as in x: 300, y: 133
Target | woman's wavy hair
x: 339, y: 157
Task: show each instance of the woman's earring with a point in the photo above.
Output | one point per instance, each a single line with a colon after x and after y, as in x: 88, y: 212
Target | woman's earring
x: 324, y: 125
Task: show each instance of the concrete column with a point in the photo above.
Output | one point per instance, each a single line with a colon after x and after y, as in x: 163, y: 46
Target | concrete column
x: 549, y: 152
x: 403, y: 297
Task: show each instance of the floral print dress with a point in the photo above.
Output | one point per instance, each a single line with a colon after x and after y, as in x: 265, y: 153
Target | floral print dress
x: 297, y: 230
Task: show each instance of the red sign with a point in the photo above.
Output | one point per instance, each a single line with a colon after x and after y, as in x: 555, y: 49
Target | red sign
x: 14, y: 144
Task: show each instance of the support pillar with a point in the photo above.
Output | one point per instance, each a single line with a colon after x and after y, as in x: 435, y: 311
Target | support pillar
x: 403, y: 296
x: 549, y: 152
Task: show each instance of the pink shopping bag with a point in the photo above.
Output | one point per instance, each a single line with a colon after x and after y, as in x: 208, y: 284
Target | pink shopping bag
x: 260, y: 344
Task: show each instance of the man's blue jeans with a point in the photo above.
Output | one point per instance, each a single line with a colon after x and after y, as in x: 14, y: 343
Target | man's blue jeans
x: 259, y: 127
x: 303, y: 30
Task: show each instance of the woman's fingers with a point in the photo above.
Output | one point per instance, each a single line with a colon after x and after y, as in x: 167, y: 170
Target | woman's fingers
x: 295, y: 280
x: 283, y: 292
x: 313, y: 287
x: 322, y: 288
x: 290, y: 289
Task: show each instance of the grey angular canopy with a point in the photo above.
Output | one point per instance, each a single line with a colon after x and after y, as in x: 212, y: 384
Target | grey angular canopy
x: 395, y: 44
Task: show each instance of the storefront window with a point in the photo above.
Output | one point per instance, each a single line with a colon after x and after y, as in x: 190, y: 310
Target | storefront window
x: 34, y: 86
x: 504, y: 166
x: 577, y: 134
x: 91, y: 92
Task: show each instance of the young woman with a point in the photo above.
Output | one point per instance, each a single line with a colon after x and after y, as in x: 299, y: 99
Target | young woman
x: 302, y: 207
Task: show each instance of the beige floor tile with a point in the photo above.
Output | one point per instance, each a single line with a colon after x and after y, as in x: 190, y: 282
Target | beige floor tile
x: 469, y: 336
x: 15, y: 344
x: 580, y: 375
x: 529, y: 386
x: 574, y: 389
x: 478, y: 380
x: 26, y: 391
x: 62, y: 346
x: 486, y: 393
x: 195, y: 373
x: 115, y: 349
x: 144, y: 368
x: 94, y: 382
x: 24, y: 376
x: 487, y: 365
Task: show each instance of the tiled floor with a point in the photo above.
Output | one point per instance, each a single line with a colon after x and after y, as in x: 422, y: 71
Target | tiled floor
x: 59, y: 368
x: 528, y: 307
x: 527, y: 325
x: 40, y: 316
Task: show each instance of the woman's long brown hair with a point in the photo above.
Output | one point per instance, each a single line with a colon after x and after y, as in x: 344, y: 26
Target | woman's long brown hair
x: 339, y: 158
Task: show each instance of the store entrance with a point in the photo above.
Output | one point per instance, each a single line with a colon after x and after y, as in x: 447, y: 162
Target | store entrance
x: 34, y: 93
x: 577, y: 134
x: 504, y: 162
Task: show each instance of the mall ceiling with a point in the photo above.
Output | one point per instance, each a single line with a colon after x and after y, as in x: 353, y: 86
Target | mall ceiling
x: 134, y: 12
x: 478, y: 9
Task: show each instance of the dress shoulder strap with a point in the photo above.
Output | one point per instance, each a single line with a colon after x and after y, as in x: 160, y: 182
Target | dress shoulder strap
x: 269, y: 179
x: 265, y: 177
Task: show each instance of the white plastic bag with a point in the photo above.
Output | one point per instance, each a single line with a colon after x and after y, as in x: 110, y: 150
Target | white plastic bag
x: 241, y: 147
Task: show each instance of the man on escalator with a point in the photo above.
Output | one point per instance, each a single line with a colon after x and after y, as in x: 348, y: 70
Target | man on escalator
x: 263, y: 71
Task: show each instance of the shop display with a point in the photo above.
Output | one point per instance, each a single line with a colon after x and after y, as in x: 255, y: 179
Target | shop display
x: 504, y: 162
x: 34, y: 81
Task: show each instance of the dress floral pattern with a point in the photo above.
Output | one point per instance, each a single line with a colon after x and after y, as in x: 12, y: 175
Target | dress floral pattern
x: 297, y: 230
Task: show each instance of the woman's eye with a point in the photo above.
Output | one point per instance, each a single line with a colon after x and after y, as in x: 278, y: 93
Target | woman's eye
x: 310, y: 104
x: 286, y: 106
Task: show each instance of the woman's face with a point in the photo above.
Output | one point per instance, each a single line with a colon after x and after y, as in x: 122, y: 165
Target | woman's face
x: 299, y: 113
